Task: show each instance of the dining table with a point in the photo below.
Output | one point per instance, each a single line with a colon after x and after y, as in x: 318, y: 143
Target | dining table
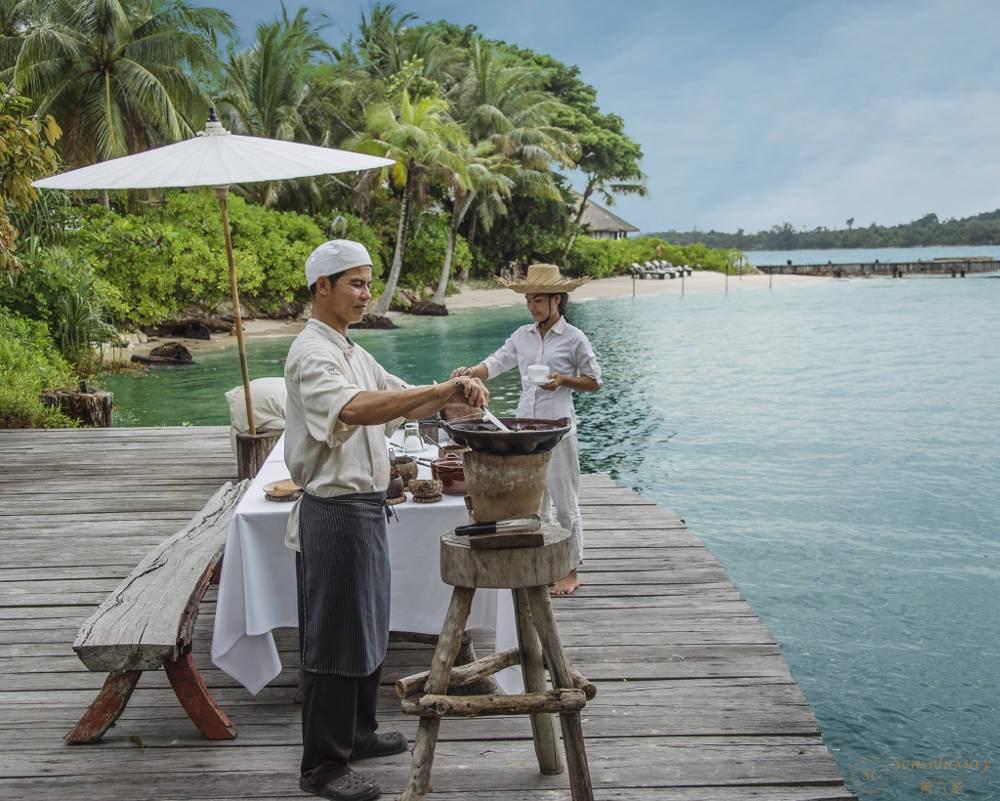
x: 257, y: 591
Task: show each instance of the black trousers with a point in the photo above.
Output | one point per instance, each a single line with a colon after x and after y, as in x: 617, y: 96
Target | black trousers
x: 338, y: 712
x: 338, y: 716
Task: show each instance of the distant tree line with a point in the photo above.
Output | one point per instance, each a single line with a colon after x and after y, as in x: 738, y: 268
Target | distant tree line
x: 982, y: 229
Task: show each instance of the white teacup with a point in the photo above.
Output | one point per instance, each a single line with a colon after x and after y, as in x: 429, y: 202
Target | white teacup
x: 538, y: 373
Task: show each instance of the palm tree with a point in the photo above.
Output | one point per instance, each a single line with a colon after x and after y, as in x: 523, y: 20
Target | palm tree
x: 501, y: 102
x: 418, y: 138
x: 117, y: 74
x: 16, y: 16
x: 267, y: 84
x: 486, y: 174
x: 399, y: 56
x: 381, y: 43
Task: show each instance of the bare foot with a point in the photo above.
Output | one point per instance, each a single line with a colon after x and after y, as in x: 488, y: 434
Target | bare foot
x: 567, y: 585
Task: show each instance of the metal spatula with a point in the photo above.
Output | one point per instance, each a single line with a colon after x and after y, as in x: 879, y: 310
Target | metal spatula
x: 492, y: 418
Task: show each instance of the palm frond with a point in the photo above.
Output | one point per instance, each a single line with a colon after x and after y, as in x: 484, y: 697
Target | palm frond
x: 141, y: 89
x: 103, y: 120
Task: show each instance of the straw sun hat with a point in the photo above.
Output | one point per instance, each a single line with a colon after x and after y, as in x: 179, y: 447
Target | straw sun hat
x: 544, y: 279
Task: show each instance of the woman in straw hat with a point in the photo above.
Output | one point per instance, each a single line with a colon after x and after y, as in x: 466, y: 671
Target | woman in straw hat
x: 572, y: 366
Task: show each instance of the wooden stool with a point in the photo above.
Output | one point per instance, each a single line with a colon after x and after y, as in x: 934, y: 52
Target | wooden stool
x: 528, y: 572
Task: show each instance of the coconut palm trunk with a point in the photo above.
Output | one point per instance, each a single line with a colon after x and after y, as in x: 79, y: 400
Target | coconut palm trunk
x: 576, y: 223
x: 472, y: 241
x: 382, y: 305
x: 462, y: 206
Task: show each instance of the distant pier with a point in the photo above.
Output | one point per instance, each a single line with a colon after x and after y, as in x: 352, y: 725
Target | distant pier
x: 956, y: 268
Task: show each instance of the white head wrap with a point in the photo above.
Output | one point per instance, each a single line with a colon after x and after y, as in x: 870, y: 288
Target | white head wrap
x: 334, y: 257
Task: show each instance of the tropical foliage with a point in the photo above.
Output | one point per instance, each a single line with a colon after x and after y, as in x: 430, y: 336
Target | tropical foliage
x: 481, y: 130
x: 167, y: 262
x: 484, y: 136
x: 418, y: 138
x: 118, y: 75
x: 29, y: 363
x: 600, y: 258
x: 27, y: 152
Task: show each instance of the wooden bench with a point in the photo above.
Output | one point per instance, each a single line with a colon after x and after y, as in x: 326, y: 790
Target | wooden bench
x: 148, y: 622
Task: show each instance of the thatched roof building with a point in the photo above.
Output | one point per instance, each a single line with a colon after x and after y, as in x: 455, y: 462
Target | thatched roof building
x: 602, y: 224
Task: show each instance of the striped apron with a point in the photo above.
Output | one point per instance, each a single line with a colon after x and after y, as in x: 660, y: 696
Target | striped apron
x: 344, y: 577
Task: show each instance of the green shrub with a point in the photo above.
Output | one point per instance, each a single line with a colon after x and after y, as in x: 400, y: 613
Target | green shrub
x: 172, y: 258
x: 425, y: 252
x: 62, y: 292
x: 29, y: 363
x: 600, y: 258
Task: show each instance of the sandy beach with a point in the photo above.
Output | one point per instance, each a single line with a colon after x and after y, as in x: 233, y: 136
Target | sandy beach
x: 621, y: 287
x: 469, y: 298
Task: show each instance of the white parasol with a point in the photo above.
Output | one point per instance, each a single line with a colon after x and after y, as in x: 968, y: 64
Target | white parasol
x: 219, y: 159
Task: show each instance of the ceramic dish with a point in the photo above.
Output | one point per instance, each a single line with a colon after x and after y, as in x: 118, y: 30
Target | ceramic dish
x: 285, y: 490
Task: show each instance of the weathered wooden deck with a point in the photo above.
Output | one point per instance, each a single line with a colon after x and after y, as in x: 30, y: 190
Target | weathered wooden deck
x: 694, y: 699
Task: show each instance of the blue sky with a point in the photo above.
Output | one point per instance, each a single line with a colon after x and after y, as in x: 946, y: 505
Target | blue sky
x: 756, y: 112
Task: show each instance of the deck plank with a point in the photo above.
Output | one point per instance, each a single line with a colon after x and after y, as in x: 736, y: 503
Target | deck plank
x: 694, y: 698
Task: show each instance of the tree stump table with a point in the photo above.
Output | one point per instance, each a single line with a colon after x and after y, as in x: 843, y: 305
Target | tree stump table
x: 528, y: 572
x: 252, y: 451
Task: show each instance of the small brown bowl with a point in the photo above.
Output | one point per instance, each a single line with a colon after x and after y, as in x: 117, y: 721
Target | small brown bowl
x: 425, y: 487
x: 451, y: 473
x: 404, y: 467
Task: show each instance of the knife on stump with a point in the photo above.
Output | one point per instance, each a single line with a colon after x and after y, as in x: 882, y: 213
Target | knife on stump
x: 528, y: 523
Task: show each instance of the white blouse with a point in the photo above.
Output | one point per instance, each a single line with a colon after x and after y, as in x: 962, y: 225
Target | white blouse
x: 565, y: 350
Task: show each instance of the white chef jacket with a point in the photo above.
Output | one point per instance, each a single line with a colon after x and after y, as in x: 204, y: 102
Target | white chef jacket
x: 565, y: 349
x: 325, y: 456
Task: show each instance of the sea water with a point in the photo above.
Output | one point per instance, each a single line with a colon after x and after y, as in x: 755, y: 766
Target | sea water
x: 835, y: 444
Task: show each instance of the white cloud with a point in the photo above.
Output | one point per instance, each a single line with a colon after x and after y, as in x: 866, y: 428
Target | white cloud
x: 881, y: 113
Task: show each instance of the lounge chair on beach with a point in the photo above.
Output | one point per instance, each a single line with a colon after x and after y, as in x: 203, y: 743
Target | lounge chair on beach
x: 666, y: 269
x: 653, y: 270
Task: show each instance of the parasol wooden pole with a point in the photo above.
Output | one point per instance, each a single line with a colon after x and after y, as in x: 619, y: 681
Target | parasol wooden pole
x: 222, y: 192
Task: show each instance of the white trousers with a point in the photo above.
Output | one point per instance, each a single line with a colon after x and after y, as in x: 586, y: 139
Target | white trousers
x: 562, y: 489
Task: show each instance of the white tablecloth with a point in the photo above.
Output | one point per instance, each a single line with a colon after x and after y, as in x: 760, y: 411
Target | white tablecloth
x: 257, y: 591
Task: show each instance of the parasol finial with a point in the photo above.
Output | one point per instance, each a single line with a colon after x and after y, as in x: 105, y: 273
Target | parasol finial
x: 213, y: 127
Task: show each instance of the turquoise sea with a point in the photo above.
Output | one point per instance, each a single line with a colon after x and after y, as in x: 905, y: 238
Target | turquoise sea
x: 834, y: 443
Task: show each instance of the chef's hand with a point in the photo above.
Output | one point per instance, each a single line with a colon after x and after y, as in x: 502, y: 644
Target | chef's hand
x: 460, y: 371
x: 471, y: 390
x: 555, y: 381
